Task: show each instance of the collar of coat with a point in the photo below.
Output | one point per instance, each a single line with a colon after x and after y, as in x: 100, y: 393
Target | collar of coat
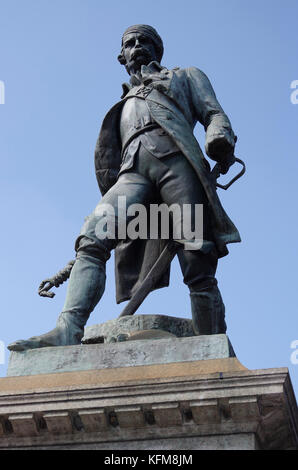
x: 153, y: 72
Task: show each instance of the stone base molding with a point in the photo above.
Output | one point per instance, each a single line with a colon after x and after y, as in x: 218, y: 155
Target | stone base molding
x: 177, y: 406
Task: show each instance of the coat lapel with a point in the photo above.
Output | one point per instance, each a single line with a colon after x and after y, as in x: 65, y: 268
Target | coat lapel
x: 107, y: 155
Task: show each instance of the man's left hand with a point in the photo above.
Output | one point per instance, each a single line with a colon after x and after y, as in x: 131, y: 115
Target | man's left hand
x: 225, y: 163
x: 222, y: 150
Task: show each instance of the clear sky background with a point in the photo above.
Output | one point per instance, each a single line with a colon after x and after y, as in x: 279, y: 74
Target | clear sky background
x: 58, y: 60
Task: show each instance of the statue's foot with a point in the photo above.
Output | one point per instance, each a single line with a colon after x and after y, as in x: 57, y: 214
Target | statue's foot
x: 57, y: 337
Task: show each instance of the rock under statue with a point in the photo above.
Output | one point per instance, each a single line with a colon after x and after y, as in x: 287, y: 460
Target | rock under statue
x: 147, y: 152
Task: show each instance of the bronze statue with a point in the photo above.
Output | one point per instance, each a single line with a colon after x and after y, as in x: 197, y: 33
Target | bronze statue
x: 146, y: 151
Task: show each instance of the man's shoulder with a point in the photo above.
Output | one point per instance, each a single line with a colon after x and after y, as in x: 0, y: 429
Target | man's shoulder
x: 189, y: 72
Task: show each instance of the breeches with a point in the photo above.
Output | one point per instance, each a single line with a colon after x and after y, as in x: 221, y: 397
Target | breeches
x: 169, y: 180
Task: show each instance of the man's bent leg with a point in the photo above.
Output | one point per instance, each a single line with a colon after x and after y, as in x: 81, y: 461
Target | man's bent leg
x: 87, y: 280
x: 85, y: 288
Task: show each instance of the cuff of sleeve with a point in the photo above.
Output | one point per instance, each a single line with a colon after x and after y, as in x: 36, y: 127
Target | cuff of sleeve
x: 225, y: 140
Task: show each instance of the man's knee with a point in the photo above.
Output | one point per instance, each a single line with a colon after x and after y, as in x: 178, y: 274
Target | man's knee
x: 96, y: 248
x: 198, y: 268
x: 205, y: 282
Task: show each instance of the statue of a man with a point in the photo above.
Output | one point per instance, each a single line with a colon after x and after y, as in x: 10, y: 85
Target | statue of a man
x: 146, y: 151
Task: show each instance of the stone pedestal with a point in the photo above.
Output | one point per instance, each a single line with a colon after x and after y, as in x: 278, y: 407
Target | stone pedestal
x: 172, y: 393
x: 195, y: 349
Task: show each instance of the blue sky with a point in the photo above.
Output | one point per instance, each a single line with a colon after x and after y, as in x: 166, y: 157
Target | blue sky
x: 61, y: 75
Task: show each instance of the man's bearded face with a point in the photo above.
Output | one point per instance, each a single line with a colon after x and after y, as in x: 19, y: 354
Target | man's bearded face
x: 138, y: 50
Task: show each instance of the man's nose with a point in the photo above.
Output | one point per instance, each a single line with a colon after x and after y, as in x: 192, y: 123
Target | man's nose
x: 137, y: 43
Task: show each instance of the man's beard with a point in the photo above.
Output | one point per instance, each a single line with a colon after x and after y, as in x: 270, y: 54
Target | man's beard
x: 139, y: 58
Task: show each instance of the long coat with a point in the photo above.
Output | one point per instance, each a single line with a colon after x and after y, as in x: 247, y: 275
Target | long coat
x: 177, y: 99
